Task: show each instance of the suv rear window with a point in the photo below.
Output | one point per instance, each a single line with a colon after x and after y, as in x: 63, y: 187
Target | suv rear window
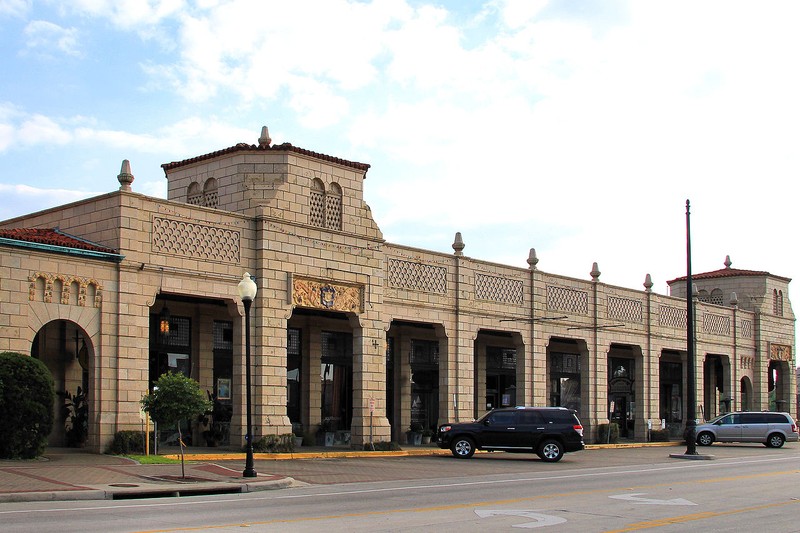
x: 559, y: 417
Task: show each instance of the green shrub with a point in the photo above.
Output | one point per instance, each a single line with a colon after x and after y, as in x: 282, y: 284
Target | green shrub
x: 27, y: 395
x: 608, y: 433
x: 382, y: 446
x: 659, y: 435
x: 130, y: 442
x: 275, y: 444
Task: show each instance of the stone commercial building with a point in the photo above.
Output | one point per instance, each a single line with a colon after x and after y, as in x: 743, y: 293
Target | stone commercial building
x: 349, y: 332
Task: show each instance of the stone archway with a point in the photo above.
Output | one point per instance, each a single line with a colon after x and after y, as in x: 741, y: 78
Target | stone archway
x: 66, y: 349
x: 746, y: 392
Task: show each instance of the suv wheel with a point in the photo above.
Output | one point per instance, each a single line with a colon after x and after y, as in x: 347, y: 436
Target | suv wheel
x: 551, y: 451
x: 705, y: 439
x: 775, y: 440
x: 463, y: 447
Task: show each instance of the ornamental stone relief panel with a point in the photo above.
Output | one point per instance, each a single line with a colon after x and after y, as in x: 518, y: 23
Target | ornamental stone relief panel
x: 323, y: 295
x: 569, y: 300
x: 625, y: 309
x: 417, y: 276
x: 780, y: 352
x: 199, y: 241
x: 497, y: 289
x: 675, y: 317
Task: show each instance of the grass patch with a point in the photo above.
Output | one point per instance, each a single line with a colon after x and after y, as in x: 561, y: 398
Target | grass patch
x: 153, y: 460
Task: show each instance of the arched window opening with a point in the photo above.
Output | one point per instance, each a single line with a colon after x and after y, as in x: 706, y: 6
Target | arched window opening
x: 194, y: 195
x: 716, y: 297
x: 74, y: 292
x: 317, y: 203
x: 210, y: 194
x: 333, y: 207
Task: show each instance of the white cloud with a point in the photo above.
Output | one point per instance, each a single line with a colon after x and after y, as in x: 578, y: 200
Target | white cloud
x: 26, y: 199
x: 15, y: 8
x: 44, y: 37
x: 128, y: 14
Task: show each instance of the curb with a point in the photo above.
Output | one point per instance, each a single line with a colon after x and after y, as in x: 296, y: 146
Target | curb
x: 147, y: 490
x: 395, y: 453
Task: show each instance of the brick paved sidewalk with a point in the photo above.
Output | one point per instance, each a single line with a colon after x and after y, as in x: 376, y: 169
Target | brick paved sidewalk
x: 63, y: 474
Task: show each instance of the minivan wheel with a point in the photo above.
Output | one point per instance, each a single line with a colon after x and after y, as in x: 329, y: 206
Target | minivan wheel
x: 551, y: 451
x: 705, y: 439
x: 775, y: 440
x: 463, y: 447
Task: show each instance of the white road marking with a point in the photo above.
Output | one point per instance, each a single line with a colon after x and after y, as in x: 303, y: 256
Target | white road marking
x: 651, y: 501
x: 540, y: 520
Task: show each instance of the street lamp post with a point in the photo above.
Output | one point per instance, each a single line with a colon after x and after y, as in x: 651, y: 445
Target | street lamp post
x: 691, y: 392
x: 247, y: 289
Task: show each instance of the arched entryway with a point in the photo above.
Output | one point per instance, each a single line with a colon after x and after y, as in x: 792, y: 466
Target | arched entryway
x: 746, y: 392
x: 778, y: 385
x: 716, y: 386
x: 66, y: 349
x: 320, y: 375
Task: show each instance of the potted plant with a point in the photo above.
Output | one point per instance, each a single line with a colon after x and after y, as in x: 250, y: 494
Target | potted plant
x: 427, y: 435
x: 326, y: 432
x: 76, y: 417
x: 297, y: 434
x: 216, y: 422
x: 414, y: 435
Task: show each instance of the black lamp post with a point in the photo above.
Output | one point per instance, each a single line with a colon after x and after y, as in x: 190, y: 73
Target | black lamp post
x: 247, y: 292
x: 691, y: 391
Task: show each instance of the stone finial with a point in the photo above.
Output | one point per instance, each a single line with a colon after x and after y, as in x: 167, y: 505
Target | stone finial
x: 264, y: 141
x: 595, y: 273
x: 532, y: 259
x: 648, y: 283
x: 125, y: 177
x: 728, y: 261
x: 458, y: 244
x: 734, y: 300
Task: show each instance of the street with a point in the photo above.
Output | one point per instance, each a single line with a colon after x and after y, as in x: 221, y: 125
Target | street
x: 746, y: 487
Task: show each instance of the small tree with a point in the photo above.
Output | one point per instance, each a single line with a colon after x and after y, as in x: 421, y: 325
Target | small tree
x: 175, y: 398
x: 27, y: 395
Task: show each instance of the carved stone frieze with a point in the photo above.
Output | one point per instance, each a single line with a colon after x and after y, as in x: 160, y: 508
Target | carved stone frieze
x: 324, y: 295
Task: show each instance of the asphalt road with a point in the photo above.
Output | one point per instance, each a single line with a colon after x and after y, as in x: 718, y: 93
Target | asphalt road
x: 744, y: 488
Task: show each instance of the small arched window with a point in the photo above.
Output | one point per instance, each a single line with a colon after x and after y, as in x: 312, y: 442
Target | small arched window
x: 210, y: 194
x: 325, y: 206
x: 716, y: 297
x: 194, y: 195
x: 333, y: 207
x: 317, y: 203
x: 777, y: 302
x: 702, y: 295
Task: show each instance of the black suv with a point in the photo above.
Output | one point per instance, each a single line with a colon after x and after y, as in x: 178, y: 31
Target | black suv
x: 548, y: 432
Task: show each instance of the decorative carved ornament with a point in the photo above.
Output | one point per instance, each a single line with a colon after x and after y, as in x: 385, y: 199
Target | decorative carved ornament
x: 780, y: 352
x: 323, y: 295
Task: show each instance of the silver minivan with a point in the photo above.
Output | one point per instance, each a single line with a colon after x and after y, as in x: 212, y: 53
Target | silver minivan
x: 769, y: 428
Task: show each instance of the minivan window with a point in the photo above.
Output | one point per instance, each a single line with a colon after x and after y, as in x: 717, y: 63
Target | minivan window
x: 754, y: 418
x: 774, y: 418
x: 728, y: 420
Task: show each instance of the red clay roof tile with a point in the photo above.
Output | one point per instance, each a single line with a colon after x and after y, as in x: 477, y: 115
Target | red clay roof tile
x: 244, y: 147
x: 53, y: 237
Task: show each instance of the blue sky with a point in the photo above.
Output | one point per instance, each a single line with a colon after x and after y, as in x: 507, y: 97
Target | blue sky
x: 576, y: 127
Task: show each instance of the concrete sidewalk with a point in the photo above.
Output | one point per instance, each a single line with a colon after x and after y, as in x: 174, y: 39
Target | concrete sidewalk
x: 74, y: 474
x: 67, y: 474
